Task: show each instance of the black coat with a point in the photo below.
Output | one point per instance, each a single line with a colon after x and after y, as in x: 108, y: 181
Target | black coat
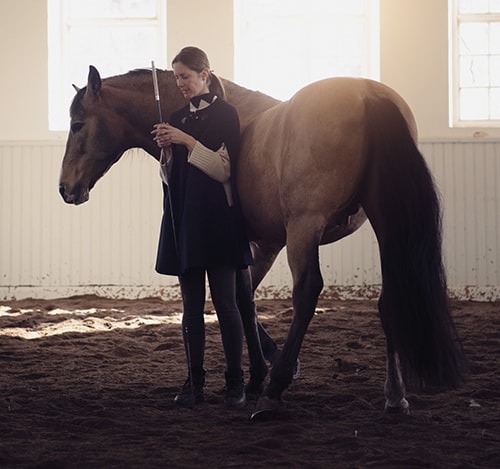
x: 208, y: 231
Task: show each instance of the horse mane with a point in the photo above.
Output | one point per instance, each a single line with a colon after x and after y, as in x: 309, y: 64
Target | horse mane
x: 250, y: 103
x: 134, y: 77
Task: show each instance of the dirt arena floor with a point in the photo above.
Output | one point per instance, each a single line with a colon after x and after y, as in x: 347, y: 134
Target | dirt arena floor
x: 88, y: 382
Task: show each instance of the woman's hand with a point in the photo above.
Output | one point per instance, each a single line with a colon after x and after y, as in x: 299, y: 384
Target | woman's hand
x: 165, y: 135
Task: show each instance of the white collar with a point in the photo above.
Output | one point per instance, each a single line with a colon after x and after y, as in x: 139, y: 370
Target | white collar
x: 203, y: 103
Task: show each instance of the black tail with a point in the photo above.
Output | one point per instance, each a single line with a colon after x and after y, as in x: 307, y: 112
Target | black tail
x: 403, y: 206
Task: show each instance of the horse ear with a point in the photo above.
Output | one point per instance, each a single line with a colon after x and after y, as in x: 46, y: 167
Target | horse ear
x: 75, y: 87
x: 94, y: 81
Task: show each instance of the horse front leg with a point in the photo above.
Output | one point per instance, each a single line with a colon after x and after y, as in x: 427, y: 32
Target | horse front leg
x: 303, y: 259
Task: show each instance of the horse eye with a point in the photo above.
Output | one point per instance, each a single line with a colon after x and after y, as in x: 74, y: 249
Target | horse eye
x: 75, y: 127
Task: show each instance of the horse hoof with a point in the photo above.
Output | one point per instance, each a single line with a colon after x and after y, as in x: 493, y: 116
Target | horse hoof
x: 401, y: 407
x: 267, y: 409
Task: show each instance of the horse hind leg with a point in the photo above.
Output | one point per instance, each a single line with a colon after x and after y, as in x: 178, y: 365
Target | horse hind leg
x: 264, y: 254
x: 246, y: 305
x: 394, y: 388
x: 260, y: 345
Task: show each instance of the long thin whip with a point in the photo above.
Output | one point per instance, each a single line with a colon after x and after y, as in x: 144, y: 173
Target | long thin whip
x: 157, y: 90
x: 157, y: 98
x: 172, y: 219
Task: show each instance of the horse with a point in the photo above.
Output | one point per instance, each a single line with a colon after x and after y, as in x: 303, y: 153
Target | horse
x: 311, y: 170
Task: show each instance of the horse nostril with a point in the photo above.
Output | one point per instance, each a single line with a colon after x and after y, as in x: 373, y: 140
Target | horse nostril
x: 68, y: 198
x: 62, y: 191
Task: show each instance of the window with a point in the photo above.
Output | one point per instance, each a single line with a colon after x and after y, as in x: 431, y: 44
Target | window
x: 282, y: 45
x: 113, y: 35
x: 475, y: 63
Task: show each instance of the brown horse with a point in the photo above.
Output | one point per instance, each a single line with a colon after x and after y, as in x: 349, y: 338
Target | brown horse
x: 310, y: 171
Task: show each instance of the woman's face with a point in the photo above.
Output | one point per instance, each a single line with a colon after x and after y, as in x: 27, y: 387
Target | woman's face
x: 190, y: 82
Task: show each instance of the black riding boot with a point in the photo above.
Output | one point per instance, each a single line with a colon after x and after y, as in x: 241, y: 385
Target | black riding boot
x: 235, y: 389
x: 191, y: 392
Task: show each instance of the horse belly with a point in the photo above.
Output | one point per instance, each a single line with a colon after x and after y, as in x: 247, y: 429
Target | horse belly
x: 258, y: 187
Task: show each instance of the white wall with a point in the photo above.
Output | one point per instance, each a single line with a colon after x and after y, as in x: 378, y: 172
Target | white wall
x: 50, y: 249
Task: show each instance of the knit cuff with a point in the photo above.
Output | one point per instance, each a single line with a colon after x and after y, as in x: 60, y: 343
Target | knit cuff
x: 215, y: 164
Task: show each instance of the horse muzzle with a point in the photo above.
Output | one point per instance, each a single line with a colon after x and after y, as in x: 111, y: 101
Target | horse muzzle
x: 76, y: 196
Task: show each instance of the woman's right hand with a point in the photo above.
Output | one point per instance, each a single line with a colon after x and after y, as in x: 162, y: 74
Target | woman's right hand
x: 161, y: 135
x: 166, y: 134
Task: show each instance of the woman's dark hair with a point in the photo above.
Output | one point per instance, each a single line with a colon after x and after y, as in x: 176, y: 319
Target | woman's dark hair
x: 197, y: 60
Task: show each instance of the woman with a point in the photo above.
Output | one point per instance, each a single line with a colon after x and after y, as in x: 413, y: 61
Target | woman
x: 202, y: 231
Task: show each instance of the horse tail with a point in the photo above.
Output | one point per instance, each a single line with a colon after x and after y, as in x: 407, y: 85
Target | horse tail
x: 403, y: 206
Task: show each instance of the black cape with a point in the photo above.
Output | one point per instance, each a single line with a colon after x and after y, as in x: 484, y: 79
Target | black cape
x: 208, y: 231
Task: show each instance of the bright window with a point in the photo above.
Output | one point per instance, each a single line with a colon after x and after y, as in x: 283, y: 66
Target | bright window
x: 113, y: 35
x: 282, y: 45
x: 475, y: 62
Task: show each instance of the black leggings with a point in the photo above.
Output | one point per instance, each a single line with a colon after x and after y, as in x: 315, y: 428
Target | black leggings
x: 222, y: 282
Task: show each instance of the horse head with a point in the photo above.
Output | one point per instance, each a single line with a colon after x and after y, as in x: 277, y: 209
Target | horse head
x: 99, y: 135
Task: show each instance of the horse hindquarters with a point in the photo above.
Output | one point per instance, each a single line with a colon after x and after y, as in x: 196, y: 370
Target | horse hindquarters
x: 401, y: 202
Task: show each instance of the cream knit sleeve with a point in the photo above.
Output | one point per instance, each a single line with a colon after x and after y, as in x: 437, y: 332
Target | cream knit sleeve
x: 215, y: 164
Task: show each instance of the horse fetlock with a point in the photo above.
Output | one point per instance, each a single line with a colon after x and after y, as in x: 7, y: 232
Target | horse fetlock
x: 254, y: 389
x: 280, y: 380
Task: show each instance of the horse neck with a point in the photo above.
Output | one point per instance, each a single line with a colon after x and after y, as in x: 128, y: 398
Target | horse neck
x: 248, y: 103
x: 139, y: 108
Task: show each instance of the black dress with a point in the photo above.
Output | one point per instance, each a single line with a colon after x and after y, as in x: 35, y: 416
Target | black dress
x: 208, y: 231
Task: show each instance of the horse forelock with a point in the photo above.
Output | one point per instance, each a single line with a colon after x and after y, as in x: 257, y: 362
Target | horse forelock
x: 76, y: 105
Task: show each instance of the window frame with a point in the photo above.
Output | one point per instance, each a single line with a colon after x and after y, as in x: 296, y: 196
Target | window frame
x: 371, y: 64
x: 59, y: 49
x: 455, y: 20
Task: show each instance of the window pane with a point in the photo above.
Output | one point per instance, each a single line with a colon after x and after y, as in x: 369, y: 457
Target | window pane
x: 495, y: 103
x: 474, y: 104
x: 125, y: 47
x: 474, y: 38
x: 475, y: 6
x: 336, y: 7
x: 311, y: 8
x: 79, y: 9
x: 494, y: 6
x: 495, y: 70
x: 313, y: 40
x: 495, y: 38
x: 474, y: 71
x: 113, y: 35
x: 341, y: 57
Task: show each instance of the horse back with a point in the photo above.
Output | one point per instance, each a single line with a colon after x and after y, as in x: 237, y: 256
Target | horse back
x: 306, y: 157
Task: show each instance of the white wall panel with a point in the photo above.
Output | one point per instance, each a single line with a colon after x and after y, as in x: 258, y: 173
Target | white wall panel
x: 108, y: 245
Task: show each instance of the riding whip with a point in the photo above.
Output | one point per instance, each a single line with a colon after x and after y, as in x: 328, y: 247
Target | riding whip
x: 172, y: 219
x: 157, y: 98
